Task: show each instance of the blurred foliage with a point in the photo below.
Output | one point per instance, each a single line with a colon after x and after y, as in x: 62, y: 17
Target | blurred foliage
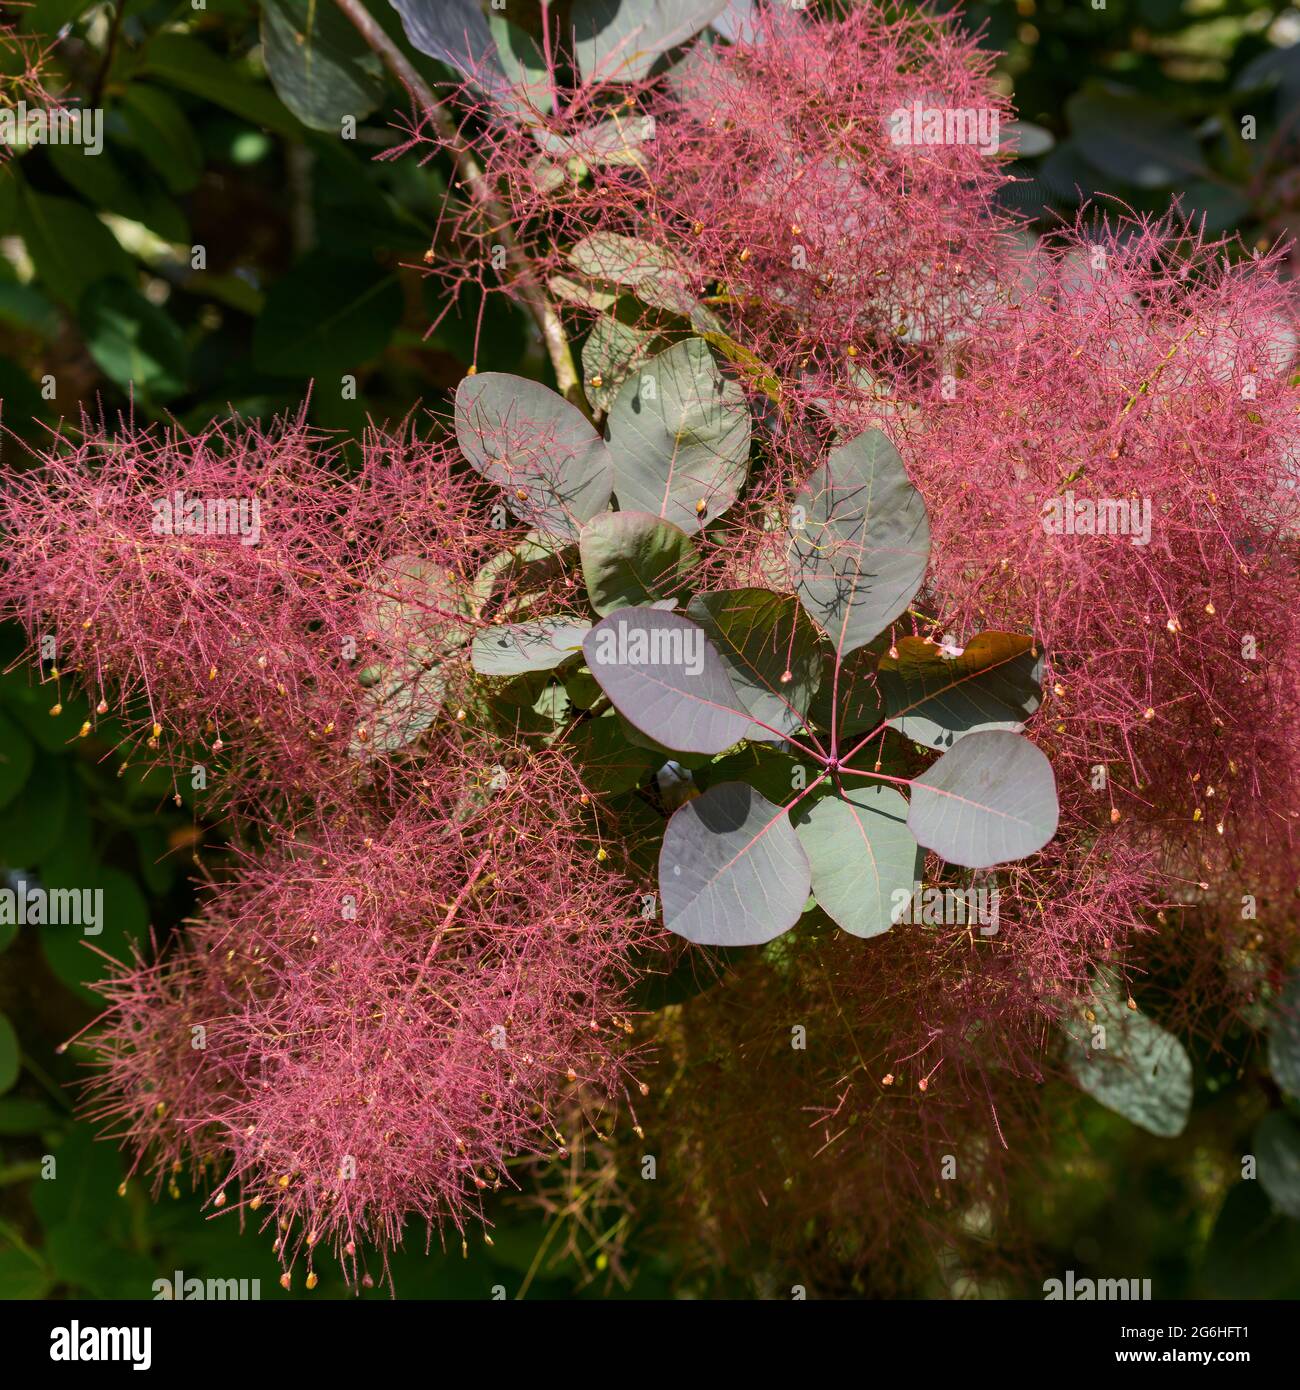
x: 222, y: 252
x: 1153, y: 101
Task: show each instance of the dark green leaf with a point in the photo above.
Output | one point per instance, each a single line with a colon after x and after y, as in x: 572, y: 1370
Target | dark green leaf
x: 124, y: 919
x: 318, y: 63
x: 163, y: 135
x: 852, y: 685
x: 936, y: 699
x: 16, y: 758
x: 22, y: 1275
x: 329, y: 314
x: 189, y: 65
x: 771, y: 653
x: 631, y: 558
x: 1284, y: 1039
x: 1135, y: 139
x: 109, y: 186
x: 607, y: 761
x: 1129, y: 1064
x: 1277, y: 1155
x: 10, y: 1054
x: 134, y: 342
x: 70, y: 247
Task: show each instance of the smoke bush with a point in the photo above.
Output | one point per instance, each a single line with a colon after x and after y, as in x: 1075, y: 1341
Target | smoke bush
x: 877, y: 546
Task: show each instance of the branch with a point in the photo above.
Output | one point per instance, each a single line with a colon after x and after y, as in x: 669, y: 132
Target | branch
x: 484, y: 197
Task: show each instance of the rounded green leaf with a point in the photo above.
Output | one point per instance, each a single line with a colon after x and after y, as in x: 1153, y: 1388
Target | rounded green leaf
x: 10, y: 1054
x: 860, y: 541
x: 732, y: 871
x: 771, y: 653
x: 663, y: 675
x: 990, y: 799
x: 1129, y: 1064
x: 936, y: 699
x: 540, y: 645
x: 544, y: 452
x: 1277, y: 1155
x: 866, y: 864
x: 612, y: 352
x: 679, y: 437
x: 631, y: 558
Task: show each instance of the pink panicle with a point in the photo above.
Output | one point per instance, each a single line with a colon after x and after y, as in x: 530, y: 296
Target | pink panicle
x: 391, y: 1008
x: 224, y: 591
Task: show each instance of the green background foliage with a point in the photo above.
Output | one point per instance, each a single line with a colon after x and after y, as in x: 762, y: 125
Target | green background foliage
x: 311, y: 273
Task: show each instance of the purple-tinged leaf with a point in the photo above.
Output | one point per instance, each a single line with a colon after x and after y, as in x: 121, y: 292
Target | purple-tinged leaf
x: 545, y: 454
x: 732, y: 871
x: 860, y: 541
x: 663, y: 675
x: 936, y: 699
